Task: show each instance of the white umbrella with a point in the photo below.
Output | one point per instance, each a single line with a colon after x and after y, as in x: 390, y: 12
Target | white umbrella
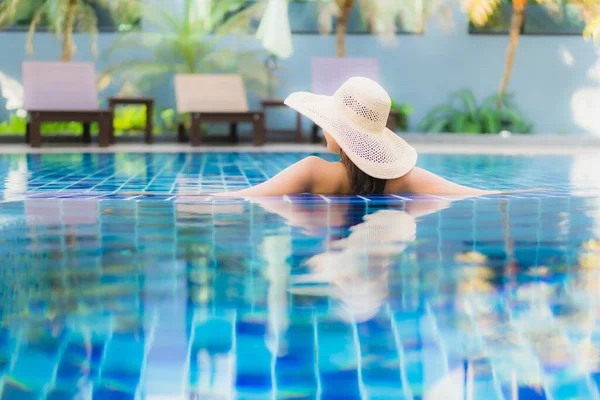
x: 201, y: 11
x: 274, y: 31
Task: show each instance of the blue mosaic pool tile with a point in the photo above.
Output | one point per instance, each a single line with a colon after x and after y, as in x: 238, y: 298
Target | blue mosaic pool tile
x: 33, y: 368
x: 158, y: 268
x: 253, y: 370
x: 112, y: 390
x: 15, y: 390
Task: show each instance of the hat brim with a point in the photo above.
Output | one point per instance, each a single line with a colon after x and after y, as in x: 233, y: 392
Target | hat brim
x: 394, y: 157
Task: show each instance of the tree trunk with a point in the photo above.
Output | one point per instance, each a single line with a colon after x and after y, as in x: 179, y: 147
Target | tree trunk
x: 515, y: 31
x: 68, y: 44
x: 342, y: 26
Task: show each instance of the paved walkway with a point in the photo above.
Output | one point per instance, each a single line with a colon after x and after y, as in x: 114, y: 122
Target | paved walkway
x: 444, y: 148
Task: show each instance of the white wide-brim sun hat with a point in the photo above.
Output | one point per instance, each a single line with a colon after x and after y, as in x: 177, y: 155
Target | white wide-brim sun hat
x: 356, y: 117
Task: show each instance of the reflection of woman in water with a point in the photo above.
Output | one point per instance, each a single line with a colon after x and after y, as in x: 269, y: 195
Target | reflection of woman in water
x: 358, y: 251
x: 356, y: 268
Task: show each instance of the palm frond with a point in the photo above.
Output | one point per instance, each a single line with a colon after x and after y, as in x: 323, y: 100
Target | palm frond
x: 242, y: 20
x: 133, y: 42
x: 479, y: 11
x: 555, y: 8
x: 159, y: 20
x: 185, y: 44
x: 431, y: 121
x: 412, y: 15
x: 467, y: 99
x: 55, y: 12
x: 88, y: 22
x: 142, y: 74
x: 327, y: 12
x: 8, y: 11
x: 442, y: 9
x: 592, y: 30
x: 437, y: 126
x: 32, y: 28
x: 490, y: 120
x: 589, y: 11
x: 217, y: 60
x: 471, y: 118
x: 128, y: 11
x: 492, y: 101
x: 383, y: 16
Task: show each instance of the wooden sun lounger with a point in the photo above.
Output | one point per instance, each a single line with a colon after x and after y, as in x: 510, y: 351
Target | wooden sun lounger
x: 63, y: 92
x: 213, y: 99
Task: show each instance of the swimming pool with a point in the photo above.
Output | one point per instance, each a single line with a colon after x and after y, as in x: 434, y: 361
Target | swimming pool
x: 108, y: 294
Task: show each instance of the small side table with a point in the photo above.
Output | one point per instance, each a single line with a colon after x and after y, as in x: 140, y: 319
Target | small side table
x: 277, y: 103
x: 145, y: 101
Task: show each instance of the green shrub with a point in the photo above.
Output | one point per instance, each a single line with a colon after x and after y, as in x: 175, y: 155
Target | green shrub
x: 463, y: 115
x: 16, y: 125
x: 127, y: 119
x: 404, y: 111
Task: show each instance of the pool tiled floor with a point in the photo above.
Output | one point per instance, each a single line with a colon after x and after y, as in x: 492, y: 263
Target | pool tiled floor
x: 108, y: 294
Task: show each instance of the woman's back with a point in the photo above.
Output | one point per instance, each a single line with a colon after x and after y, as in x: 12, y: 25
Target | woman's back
x: 334, y: 178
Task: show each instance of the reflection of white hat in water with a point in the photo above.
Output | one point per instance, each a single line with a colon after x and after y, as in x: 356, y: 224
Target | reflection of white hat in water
x: 357, y: 271
x: 381, y: 233
x: 356, y: 117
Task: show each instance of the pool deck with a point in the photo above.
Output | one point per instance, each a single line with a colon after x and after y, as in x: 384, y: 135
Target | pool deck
x: 424, y: 143
x: 494, y: 147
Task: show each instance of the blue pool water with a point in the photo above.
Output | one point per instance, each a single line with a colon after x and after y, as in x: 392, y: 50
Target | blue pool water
x: 107, y: 294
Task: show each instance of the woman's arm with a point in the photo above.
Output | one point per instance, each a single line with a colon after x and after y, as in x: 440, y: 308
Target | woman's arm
x: 302, y: 177
x: 421, y: 181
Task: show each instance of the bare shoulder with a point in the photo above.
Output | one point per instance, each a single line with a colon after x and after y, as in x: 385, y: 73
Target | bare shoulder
x: 327, y: 177
x: 422, y: 181
x: 323, y: 168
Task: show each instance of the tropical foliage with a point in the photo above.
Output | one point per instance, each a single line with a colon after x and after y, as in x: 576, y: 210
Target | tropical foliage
x: 480, y: 11
x: 63, y: 16
x: 127, y: 119
x: 194, y: 41
x: 403, y: 112
x: 382, y: 17
x: 463, y: 115
x: 593, y: 28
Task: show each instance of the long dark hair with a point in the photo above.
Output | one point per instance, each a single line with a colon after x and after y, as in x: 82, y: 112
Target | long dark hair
x: 360, y: 182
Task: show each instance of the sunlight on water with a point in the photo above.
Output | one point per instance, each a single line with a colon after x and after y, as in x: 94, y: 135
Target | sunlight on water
x: 108, y: 295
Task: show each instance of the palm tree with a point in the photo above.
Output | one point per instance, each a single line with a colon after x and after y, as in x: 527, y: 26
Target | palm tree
x: 593, y: 28
x: 195, y: 41
x: 344, y: 8
x: 63, y: 16
x: 382, y: 17
x: 479, y: 12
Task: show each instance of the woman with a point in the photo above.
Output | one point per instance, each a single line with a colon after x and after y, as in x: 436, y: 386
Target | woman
x: 373, y: 159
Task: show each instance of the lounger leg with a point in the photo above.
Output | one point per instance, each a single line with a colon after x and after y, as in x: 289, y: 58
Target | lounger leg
x: 233, y: 132
x: 181, y: 135
x: 299, y: 137
x: 111, y: 107
x: 111, y: 129
x: 391, y: 123
x: 195, y: 134
x: 87, y: 136
x: 27, y: 132
x: 259, y: 129
x: 104, y: 130
x: 35, y: 134
x: 149, y: 123
x: 315, y: 134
